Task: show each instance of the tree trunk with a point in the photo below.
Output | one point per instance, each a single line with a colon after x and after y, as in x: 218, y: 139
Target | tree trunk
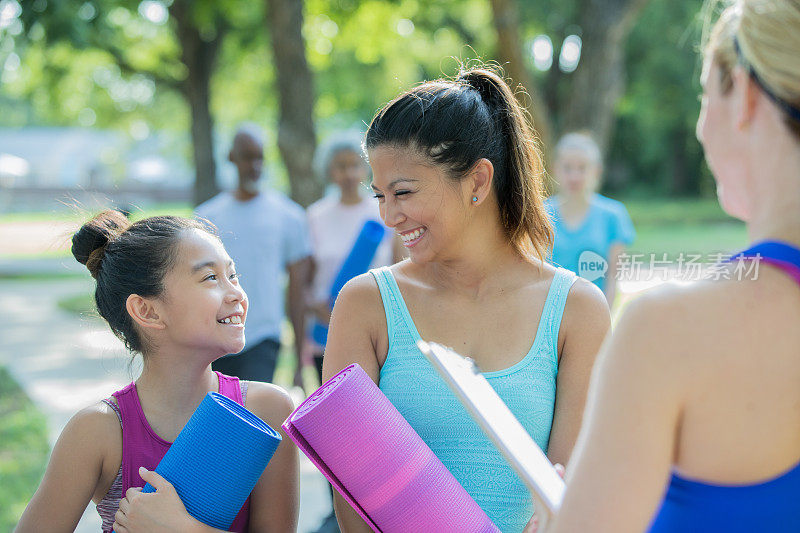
x: 511, y: 55
x: 599, y: 81
x: 296, y: 136
x: 199, y: 54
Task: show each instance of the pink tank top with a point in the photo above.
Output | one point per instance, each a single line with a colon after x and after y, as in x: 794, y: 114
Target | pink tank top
x: 142, y: 447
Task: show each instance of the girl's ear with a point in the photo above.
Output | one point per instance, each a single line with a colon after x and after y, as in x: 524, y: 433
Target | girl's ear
x: 143, y: 311
x: 482, y: 176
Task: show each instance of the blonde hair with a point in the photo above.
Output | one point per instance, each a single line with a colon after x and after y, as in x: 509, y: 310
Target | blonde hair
x: 768, y: 35
x: 583, y: 142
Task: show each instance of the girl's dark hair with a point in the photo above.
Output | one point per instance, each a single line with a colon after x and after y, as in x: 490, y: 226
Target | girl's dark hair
x: 128, y: 258
x: 456, y: 123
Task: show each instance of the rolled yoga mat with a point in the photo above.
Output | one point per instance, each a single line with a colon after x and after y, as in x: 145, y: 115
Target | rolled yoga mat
x: 220, y: 437
x: 356, y: 263
x: 363, y: 445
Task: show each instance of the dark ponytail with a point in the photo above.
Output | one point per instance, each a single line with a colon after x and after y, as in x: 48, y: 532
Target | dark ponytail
x: 458, y: 122
x: 128, y: 259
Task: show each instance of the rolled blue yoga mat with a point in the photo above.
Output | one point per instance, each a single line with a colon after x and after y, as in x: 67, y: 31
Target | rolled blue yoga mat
x: 217, y: 459
x: 357, y: 262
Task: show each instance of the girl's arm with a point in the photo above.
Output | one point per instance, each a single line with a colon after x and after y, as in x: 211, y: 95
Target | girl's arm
x: 585, y: 324
x: 275, y: 500
x: 79, y: 465
x: 356, y: 320
x: 622, y: 460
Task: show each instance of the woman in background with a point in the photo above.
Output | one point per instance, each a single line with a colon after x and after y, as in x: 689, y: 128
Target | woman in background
x: 591, y: 231
x: 334, y: 223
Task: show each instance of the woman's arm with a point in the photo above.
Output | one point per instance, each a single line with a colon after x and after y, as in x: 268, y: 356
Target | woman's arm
x: 585, y: 324
x: 74, y: 472
x: 622, y: 460
x: 357, y: 319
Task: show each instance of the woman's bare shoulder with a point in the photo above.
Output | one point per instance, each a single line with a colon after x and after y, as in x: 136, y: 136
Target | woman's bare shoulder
x: 586, y: 309
x: 696, y: 326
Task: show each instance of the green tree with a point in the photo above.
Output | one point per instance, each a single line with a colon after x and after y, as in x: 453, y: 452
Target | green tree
x: 175, y: 47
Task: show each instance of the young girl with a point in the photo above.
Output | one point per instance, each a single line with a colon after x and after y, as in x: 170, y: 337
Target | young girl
x: 693, y: 415
x: 169, y: 291
x: 584, y: 220
x: 458, y: 177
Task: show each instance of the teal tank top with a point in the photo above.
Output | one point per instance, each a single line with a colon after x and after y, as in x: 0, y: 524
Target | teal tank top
x: 425, y: 401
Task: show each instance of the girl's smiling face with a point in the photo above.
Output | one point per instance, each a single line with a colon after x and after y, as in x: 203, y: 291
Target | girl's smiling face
x: 419, y: 201
x: 203, y: 307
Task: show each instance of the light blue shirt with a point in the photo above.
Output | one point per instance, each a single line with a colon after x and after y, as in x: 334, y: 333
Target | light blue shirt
x: 584, y: 249
x: 263, y: 236
x: 430, y: 407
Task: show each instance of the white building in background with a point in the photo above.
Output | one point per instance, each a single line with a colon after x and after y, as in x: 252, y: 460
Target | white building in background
x: 66, y: 158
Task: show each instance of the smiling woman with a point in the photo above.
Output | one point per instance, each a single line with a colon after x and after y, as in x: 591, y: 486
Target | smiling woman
x: 168, y: 289
x: 458, y: 176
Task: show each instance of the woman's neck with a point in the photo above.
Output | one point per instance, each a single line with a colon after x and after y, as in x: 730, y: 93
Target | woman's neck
x: 575, y: 201
x: 775, y: 213
x: 473, y: 267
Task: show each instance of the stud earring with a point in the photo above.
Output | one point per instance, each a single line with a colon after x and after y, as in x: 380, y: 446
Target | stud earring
x: 474, y: 198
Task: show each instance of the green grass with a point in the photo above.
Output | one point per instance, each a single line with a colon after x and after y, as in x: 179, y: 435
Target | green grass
x: 41, y: 276
x: 675, y: 226
x: 81, y: 304
x: 674, y: 239
x: 80, y: 215
x: 23, y: 450
x: 658, y: 211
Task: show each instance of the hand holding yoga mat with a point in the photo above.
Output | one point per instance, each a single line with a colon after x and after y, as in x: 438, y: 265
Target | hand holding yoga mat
x: 378, y: 463
x: 221, y: 436
x: 356, y: 263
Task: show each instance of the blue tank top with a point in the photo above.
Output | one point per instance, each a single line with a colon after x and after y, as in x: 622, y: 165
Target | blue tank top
x: 425, y: 401
x: 774, y: 505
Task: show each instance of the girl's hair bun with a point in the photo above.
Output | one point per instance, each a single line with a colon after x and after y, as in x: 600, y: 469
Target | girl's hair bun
x: 90, y: 241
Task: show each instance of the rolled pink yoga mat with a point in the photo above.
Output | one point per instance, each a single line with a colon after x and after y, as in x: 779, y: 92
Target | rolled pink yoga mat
x: 378, y: 463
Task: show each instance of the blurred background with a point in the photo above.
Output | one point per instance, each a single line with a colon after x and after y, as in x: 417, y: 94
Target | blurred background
x: 133, y: 104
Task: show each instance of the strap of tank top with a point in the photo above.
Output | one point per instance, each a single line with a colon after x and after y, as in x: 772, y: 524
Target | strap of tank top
x: 776, y: 253
x: 390, y: 299
x: 127, y: 402
x: 229, y: 386
x: 113, y: 405
x: 553, y: 310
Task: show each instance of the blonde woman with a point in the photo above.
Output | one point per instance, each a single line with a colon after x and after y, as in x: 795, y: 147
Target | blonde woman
x: 693, y: 419
x: 588, y: 227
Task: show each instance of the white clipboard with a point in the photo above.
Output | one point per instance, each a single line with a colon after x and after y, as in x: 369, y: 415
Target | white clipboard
x: 499, y: 424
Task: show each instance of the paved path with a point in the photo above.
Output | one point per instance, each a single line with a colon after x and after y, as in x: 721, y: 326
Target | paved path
x: 66, y: 363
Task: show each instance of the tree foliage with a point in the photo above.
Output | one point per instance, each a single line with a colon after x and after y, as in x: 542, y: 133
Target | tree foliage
x: 107, y: 65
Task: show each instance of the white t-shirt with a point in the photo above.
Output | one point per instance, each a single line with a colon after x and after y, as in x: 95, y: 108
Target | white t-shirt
x: 263, y: 236
x: 334, y: 228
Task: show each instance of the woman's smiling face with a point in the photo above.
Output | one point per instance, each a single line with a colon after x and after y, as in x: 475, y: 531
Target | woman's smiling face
x: 418, y: 201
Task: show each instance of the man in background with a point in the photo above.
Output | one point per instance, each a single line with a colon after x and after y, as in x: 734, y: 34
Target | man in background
x: 266, y: 236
